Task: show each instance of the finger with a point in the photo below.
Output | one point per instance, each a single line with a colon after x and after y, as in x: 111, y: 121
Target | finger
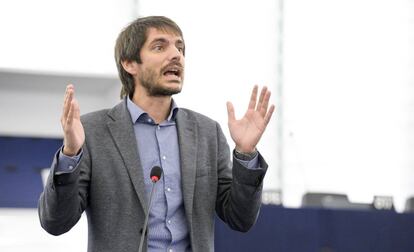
x: 76, y: 109
x: 230, y: 112
x: 68, y: 105
x: 68, y: 88
x: 253, y: 98
x: 69, y: 118
x: 67, y: 100
x: 265, y: 103
x: 269, y: 114
x: 261, y: 98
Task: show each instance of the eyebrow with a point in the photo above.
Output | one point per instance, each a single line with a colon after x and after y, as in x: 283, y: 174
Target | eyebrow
x: 163, y: 40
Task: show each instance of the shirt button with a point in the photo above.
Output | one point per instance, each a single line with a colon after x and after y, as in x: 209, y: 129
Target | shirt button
x: 149, y: 120
x: 158, y: 127
x: 170, y: 250
x: 169, y: 221
x: 168, y: 189
x: 70, y: 167
x: 164, y: 157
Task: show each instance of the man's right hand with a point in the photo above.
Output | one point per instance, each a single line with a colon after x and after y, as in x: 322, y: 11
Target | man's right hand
x: 73, y: 133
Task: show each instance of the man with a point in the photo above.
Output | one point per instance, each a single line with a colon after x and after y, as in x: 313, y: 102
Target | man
x: 105, y: 162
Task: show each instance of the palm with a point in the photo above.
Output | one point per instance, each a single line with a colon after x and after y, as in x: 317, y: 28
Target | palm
x: 247, y: 131
x: 74, y: 134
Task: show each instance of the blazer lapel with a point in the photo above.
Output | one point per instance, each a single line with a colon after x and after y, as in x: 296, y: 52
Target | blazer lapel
x: 187, y: 139
x: 120, y: 126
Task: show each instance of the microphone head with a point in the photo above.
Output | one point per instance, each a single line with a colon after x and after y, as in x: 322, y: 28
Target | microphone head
x: 155, y: 174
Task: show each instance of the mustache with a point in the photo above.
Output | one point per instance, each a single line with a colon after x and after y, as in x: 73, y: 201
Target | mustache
x: 173, y: 64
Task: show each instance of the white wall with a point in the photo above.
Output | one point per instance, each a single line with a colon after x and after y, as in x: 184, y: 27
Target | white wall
x: 74, y: 36
x: 31, y: 103
x: 348, y: 98
x: 57, y: 42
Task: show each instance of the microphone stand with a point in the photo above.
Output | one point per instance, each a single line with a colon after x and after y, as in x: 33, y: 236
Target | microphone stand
x: 144, y: 231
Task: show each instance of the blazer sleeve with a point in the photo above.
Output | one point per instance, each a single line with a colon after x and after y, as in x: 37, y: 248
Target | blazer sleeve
x: 239, y: 189
x: 65, y: 196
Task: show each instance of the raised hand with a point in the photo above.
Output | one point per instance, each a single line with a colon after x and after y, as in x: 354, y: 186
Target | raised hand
x: 247, y: 131
x: 73, y: 133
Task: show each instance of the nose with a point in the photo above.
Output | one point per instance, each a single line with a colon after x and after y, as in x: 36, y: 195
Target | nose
x: 175, y: 54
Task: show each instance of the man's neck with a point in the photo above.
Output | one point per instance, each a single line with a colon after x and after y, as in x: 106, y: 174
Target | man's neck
x: 158, y: 108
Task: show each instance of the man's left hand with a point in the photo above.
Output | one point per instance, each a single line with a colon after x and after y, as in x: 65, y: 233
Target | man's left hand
x: 247, y: 131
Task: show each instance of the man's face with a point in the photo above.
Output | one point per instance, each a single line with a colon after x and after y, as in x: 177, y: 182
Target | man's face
x: 161, y: 72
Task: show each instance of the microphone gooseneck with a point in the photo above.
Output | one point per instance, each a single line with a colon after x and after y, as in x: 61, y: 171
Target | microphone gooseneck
x: 155, y: 176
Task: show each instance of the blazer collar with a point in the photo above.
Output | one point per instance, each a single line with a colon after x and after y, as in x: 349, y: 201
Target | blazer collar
x: 121, y: 128
x: 187, y: 139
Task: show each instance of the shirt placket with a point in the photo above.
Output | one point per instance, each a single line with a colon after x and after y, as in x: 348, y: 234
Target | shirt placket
x: 168, y: 187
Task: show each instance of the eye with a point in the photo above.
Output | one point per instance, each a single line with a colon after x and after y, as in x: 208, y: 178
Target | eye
x: 158, y: 48
x: 180, y: 49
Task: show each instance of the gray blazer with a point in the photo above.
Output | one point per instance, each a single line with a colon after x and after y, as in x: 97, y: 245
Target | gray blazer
x: 108, y: 183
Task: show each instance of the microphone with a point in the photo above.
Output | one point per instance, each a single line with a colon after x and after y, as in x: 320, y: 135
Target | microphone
x: 155, y: 176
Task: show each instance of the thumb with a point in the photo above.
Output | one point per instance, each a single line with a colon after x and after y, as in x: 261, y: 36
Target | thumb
x: 230, y: 112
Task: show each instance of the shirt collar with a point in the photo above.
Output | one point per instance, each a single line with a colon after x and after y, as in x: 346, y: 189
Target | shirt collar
x: 136, y: 111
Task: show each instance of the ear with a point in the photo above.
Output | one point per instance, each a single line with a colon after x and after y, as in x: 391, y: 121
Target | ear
x: 130, y: 66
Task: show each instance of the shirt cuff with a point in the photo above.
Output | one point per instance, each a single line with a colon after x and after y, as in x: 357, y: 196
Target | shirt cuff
x: 249, y: 164
x: 67, y: 164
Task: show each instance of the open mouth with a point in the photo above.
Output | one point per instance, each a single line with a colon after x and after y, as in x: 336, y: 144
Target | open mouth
x: 173, y: 71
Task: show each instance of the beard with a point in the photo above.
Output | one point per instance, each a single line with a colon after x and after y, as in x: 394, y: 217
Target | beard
x: 148, y: 80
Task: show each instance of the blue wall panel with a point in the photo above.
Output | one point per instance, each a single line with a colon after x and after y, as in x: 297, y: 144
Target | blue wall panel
x: 21, y: 161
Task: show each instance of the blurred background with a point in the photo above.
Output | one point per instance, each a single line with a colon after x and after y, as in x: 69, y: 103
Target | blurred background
x: 341, y: 75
